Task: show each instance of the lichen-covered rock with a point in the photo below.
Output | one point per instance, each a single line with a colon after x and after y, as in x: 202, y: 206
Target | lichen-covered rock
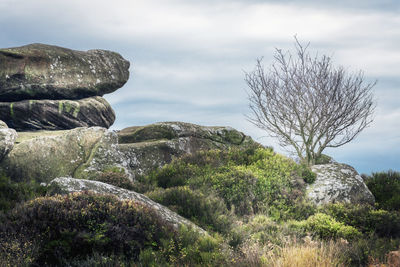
x: 152, y: 146
x: 39, y: 71
x: 105, y: 156
x: 7, y: 139
x: 337, y: 182
x: 86, y: 152
x: 43, y: 156
x: 173, y: 130
x: 70, y: 185
x: 3, y: 125
x: 57, y: 114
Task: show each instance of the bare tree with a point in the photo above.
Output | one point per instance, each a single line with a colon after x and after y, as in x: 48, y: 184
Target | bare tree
x: 307, y: 103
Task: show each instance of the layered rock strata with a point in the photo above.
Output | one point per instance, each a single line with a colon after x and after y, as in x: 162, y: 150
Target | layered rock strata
x: 49, y: 87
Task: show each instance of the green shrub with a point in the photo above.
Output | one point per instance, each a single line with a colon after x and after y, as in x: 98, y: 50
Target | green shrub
x: 116, y: 178
x: 326, y: 227
x: 208, y: 211
x: 12, y: 193
x: 188, y: 249
x: 250, y: 180
x: 366, y: 218
x: 307, y: 174
x: 323, y: 159
x: 385, y: 186
x: 75, y: 225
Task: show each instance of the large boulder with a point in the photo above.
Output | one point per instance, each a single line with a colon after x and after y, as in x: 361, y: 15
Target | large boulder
x: 57, y: 114
x: 44, y: 155
x: 70, y: 185
x: 338, y: 183
x: 7, y: 139
x: 39, y: 71
x: 152, y: 146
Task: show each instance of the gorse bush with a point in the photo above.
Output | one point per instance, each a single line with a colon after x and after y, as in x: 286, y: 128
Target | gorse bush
x: 366, y: 218
x: 208, y: 211
x: 249, y: 181
x: 385, y: 186
x: 116, y: 178
x: 326, y: 227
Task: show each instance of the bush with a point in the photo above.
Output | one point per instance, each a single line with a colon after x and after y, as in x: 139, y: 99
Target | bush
x: 251, y: 180
x: 116, y: 178
x: 385, y: 186
x: 208, y: 211
x: 12, y: 193
x: 188, y: 249
x: 326, y: 227
x: 75, y: 225
x: 323, y: 159
x: 366, y: 218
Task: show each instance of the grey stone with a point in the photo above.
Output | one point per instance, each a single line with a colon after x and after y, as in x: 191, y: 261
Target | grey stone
x: 7, y: 140
x: 39, y: 71
x: 70, y: 185
x: 152, y: 146
x: 337, y: 183
x: 57, y: 114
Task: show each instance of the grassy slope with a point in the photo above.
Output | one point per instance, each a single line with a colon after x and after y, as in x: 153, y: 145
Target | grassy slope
x: 251, y: 202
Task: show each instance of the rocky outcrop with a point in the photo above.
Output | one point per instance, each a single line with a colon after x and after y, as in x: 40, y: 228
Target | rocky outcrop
x: 152, y: 146
x: 42, y: 156
x: 48, y: 87
x: 39, y: 71
x: 86, y: 152
x: 57, y: 114
x: 7, y: 139
x: 70, y: 185
x: 337, y: 182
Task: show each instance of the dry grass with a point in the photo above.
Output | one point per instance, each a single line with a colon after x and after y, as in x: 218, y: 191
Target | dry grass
x: 306, y: 253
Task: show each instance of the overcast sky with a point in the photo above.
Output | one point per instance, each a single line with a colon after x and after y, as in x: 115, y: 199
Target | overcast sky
x: 188, y: 57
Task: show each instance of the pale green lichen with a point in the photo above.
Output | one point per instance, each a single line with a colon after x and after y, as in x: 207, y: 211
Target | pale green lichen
x: 60, y: 107
x: 11, y: 109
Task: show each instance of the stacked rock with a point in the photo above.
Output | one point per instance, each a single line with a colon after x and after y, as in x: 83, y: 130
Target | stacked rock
x: 55, y: 88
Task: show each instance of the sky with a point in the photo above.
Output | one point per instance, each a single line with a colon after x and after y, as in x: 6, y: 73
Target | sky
x: 188, y: 58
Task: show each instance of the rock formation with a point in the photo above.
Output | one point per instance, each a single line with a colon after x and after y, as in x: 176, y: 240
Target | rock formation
x: 54, y: 88
x: 70, y: 185
x: 152, y: 146
x: 85, y: 152
x: 338, y: 182
x: 7, y: 139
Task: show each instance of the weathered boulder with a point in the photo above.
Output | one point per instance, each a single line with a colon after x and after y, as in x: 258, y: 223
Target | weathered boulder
x: 45, y: 155
x: 7, y: 139
x: 57, y: 114
x: 70, y: 185
x: 338, y: 182
x: 152, y: 146
x: 39, y: 71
